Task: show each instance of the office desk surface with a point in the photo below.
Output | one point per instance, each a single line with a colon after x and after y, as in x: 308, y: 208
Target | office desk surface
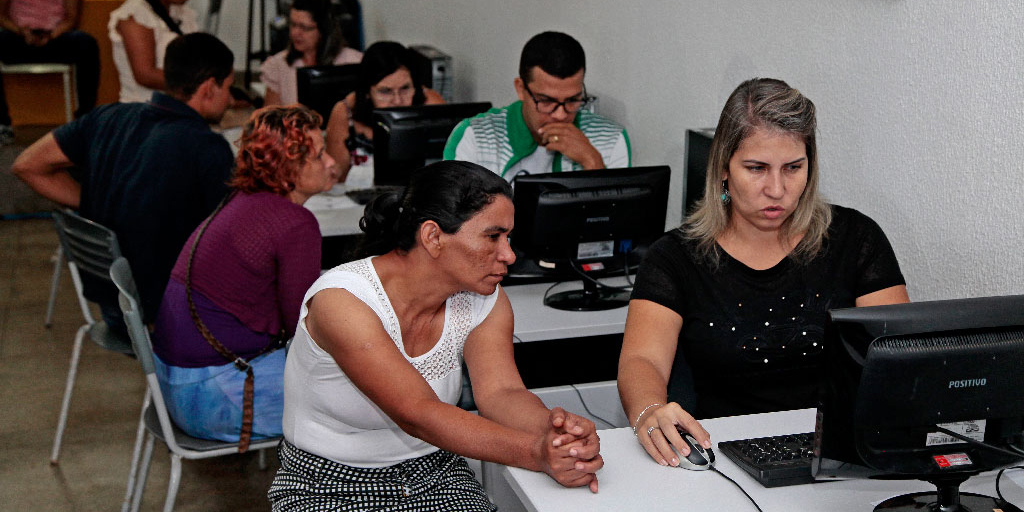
x: 630, y: 480
x: 337, y: 214
x: 536, y: 322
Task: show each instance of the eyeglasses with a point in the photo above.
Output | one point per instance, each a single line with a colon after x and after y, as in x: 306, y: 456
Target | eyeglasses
x: 301, y: 26
x: 549, y: 106
x: 388, y: 94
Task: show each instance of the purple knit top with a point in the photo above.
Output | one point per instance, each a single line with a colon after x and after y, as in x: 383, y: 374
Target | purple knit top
x: 251, y: 269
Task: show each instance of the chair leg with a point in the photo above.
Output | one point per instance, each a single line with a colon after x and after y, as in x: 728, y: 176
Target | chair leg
x: 140, y: 434
x: 172, y: 484
x: 140, y: 484
x: 263, y: 459
x: 76, y: 352
x: 58, y: 262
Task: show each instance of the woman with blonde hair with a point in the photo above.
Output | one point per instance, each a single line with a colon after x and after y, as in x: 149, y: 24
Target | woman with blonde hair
x: 727, y: 315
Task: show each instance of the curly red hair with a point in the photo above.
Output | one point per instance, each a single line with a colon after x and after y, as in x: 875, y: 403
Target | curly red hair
x: 275, y: 143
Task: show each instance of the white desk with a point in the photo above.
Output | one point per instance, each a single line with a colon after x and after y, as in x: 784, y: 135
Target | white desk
x: 337, y: 214
x: 536, y: 322
x: 630, y: 480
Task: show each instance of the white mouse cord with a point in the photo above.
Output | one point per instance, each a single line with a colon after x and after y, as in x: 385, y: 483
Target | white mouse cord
x: 739, y: 487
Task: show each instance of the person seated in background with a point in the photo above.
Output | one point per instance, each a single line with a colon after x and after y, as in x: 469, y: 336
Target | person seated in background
x: 140, y: 31
x: 729, y: 309
x: 151, y: 172
x: 547, y: 130
x: 236, y: 288
x: 314, y: 39
x: 375, y: 369
x: 44, y: 31
x: 385, y: 80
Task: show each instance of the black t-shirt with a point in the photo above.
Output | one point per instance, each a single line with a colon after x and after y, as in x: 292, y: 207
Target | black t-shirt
x: 753, y: 338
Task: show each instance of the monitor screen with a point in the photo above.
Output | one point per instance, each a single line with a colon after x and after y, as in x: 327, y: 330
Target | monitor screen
x: 698, y: 151
x: 321, y: 87
x: 407, y: 138
x: 570, y: 224
x: 899, y: 381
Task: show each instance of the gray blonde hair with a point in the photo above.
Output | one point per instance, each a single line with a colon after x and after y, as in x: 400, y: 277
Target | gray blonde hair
x: 772, y: 104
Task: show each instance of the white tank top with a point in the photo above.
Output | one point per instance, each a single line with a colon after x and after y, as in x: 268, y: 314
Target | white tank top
x: 324, y: 412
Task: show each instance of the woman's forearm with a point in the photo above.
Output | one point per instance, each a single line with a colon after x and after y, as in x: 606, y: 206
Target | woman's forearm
x: 640, y: 385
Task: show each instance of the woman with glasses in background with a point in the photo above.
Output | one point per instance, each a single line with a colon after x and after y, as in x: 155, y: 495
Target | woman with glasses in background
x: 385, y: 81
x: 314, y: 39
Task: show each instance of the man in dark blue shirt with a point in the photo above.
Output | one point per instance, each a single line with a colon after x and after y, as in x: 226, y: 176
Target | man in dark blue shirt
x: 151, y: 172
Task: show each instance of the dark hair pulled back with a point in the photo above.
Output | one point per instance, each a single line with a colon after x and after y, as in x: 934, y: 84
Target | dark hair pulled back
x: 448, y: 193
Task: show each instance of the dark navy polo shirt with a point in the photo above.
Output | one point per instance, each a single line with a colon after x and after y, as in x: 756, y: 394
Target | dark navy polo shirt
x: 151, y: 172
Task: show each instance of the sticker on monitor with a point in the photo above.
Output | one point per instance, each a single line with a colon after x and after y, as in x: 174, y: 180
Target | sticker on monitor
x: 952, y: 460
x: 594, y: 250
x: 974, y: 429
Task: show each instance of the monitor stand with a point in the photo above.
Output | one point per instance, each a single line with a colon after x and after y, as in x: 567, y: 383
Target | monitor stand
x: 946, y: 498
x: 590, y: 298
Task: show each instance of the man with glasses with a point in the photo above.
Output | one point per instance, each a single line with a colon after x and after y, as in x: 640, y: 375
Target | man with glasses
x: 548, y: 129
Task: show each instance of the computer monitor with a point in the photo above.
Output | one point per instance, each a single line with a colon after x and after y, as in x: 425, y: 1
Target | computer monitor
x: 321, y: 87
x: 698, y: 152
x: 896, y: 380
x: 574, y: 224
x: 407, y: 138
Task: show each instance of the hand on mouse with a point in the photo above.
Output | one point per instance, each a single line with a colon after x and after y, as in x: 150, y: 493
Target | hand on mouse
x: 657, y: 433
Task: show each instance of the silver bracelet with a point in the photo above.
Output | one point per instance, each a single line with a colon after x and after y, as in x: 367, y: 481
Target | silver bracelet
x: 641, y: 415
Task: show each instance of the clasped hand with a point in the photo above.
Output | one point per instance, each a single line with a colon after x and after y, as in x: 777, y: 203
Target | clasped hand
x: 571, y: 450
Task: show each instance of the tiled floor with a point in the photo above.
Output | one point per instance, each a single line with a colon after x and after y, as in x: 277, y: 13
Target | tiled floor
x: 98, y: 441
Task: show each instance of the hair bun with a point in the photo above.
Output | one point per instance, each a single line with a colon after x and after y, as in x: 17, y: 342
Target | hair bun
x: 379, y: 218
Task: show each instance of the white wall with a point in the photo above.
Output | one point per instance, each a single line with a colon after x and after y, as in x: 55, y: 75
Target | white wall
x: 921, y: 104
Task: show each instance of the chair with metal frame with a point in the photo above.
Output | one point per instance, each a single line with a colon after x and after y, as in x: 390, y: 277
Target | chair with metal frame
x: 91, y: 248
x: 154, y: 421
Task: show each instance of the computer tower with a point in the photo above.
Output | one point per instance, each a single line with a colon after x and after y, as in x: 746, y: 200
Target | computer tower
x: 434, y: 69
x: 698, y: 150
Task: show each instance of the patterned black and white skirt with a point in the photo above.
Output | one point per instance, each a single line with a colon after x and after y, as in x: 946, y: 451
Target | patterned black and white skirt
x: 440, y: 481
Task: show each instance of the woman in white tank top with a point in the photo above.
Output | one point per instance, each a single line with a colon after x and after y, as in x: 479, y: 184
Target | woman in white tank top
x: 375, y: 369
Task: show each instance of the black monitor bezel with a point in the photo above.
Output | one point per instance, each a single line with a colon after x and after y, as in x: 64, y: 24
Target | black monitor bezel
x: 340, y: 81
x: 391, y: 171
x: 847, y: 439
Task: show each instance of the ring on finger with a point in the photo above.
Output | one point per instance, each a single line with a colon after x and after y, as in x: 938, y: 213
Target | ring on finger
x: 652, y: 430
x: 554, y: 138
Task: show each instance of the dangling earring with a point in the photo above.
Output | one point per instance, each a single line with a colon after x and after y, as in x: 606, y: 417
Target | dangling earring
x: 725, y: 192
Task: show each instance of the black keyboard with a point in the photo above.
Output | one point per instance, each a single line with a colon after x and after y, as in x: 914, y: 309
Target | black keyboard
x: 773, y: 461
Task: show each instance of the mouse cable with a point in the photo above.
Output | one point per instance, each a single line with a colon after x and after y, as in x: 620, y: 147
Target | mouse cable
x: 584, y: 402
x: 998, y: 477
x: 744, y: 491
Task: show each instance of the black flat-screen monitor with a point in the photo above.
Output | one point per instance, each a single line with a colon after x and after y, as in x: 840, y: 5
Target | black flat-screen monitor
x: 321, y: 87
x: 571, y: 225
x: 899, y: 381
x: 698, y: 152
x: 407, y: 138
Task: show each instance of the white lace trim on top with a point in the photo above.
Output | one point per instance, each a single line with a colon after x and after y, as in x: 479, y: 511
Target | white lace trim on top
x: 446, y: 355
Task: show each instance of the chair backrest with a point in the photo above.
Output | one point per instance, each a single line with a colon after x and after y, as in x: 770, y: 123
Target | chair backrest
x: 90, y: 246
x: 128, y: 298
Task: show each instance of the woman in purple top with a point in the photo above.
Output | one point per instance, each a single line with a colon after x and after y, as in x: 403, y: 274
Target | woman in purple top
x: 245, y: 277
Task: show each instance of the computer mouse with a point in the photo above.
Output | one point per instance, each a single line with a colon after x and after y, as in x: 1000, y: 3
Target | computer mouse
x: 700, y: 458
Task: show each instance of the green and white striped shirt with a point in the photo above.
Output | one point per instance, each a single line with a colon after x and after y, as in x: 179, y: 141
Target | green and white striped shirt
x: 500, y: 141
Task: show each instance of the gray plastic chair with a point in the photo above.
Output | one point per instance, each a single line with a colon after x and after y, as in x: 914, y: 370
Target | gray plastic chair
x: 91, y: 248
x: 154, y: 420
